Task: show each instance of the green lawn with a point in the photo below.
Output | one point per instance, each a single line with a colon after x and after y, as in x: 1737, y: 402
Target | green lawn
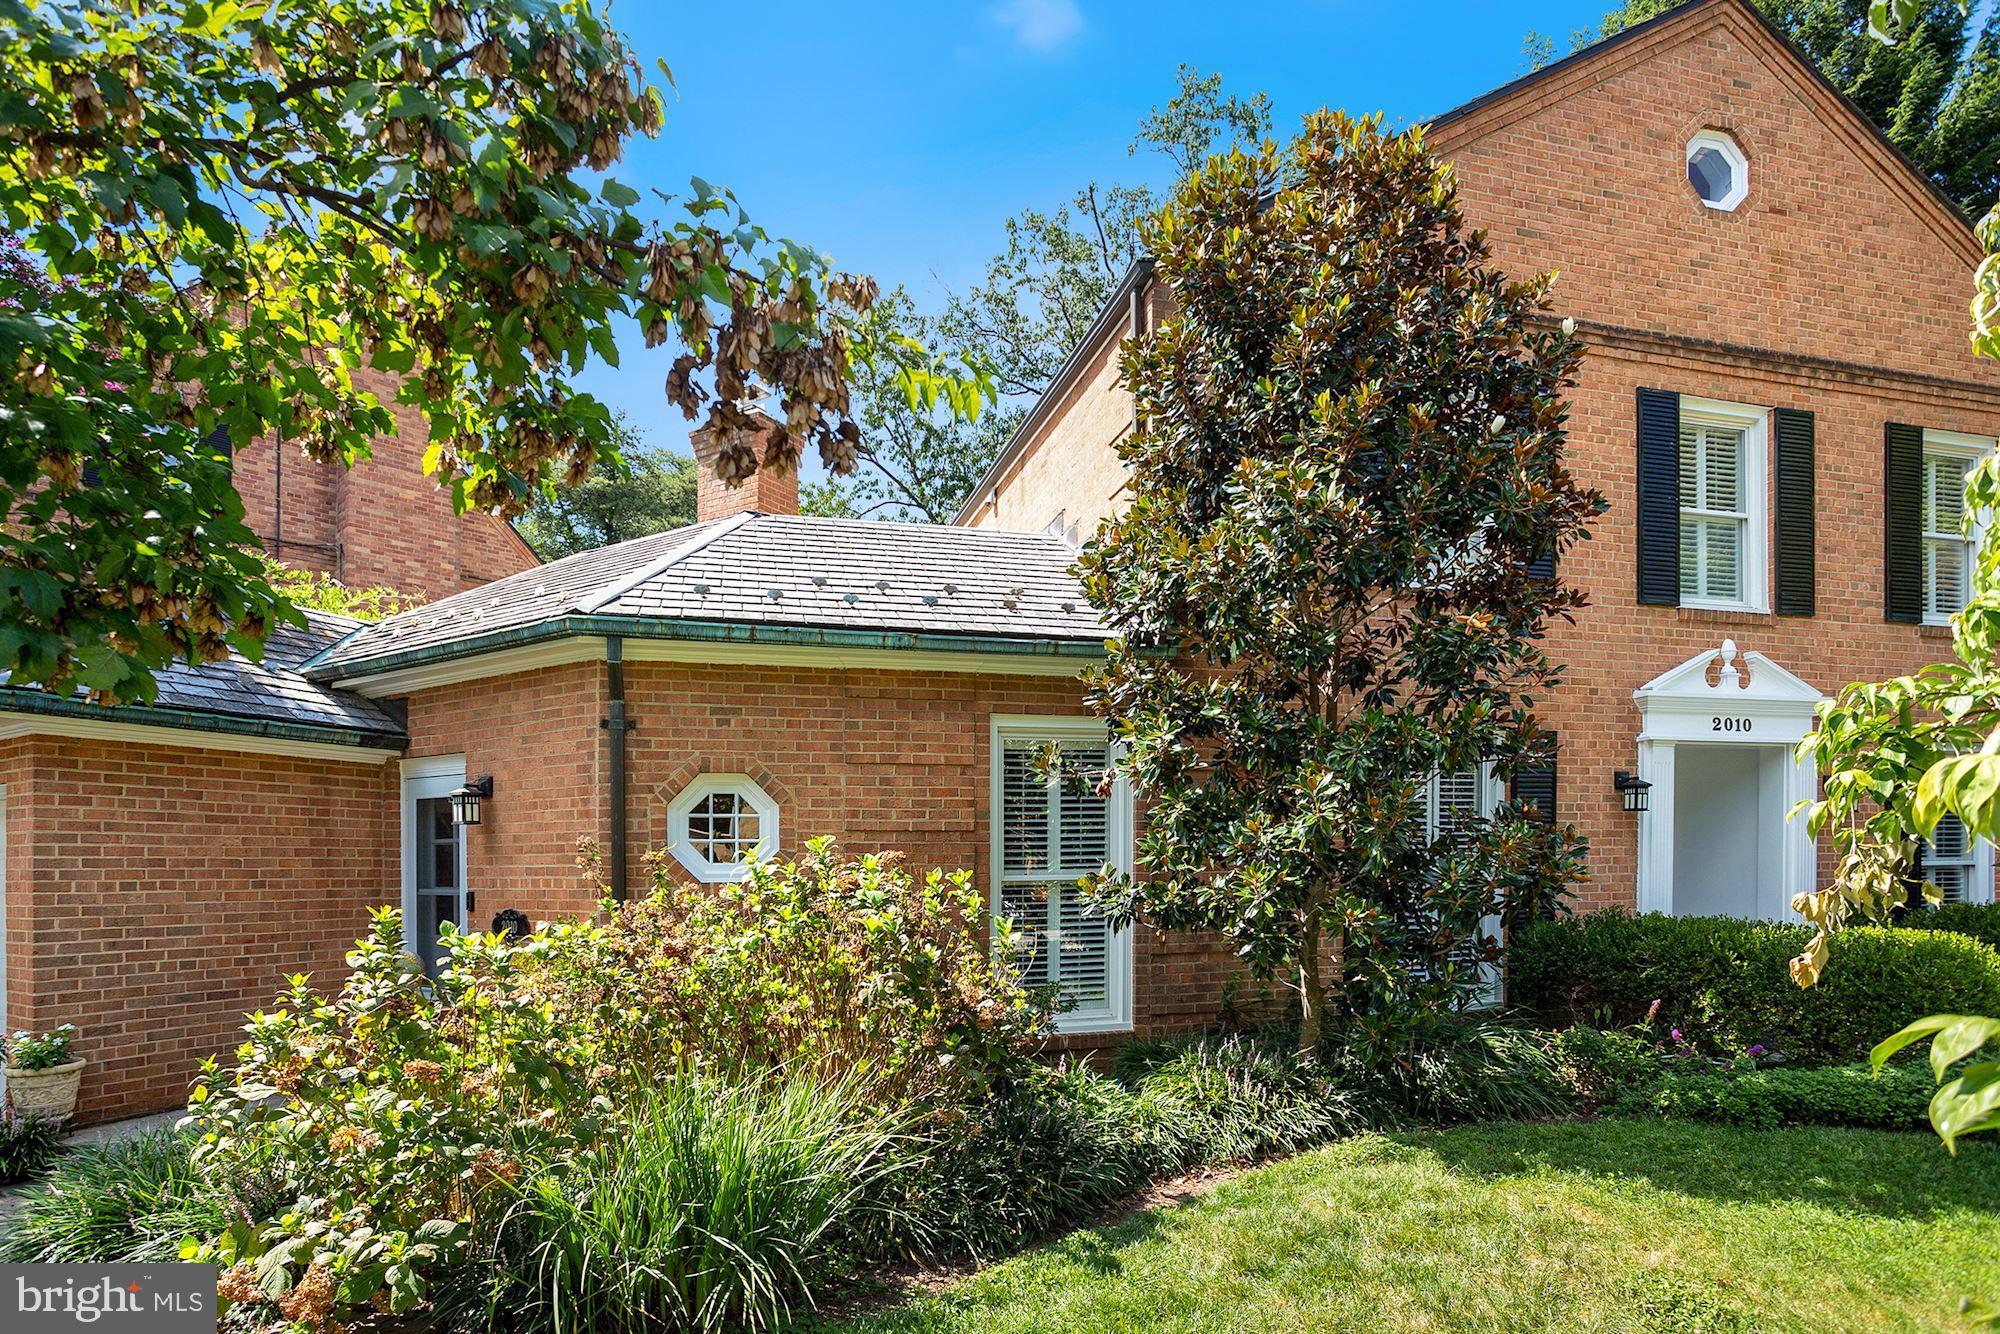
x: 1610, y: 1225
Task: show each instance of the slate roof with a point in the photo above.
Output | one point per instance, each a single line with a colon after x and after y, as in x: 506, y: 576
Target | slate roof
x: 271, y: 691
x: 766, y: 570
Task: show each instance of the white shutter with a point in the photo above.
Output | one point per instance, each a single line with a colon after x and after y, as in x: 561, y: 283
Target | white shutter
x: 1451, y: 800
x: 1948, y: 860
x: 1053, y: 830
x: 1945, y: 545
x: 1714, y: 514
x: 1454, y: 797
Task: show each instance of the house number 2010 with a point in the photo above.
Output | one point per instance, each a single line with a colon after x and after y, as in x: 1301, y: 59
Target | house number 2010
x: 1729, y: 724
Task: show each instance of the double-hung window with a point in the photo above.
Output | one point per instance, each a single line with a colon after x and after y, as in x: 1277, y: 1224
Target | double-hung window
x: 1722, y: 505
x: 1450, y: 801
x: 1949, y: 541
x: 1051, y: 827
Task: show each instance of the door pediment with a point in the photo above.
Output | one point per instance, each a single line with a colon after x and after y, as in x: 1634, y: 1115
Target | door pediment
x: 1723, y: 695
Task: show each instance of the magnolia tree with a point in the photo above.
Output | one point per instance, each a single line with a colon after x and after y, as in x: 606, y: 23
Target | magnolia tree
x: 1333, y: 579
x: 221, y: 212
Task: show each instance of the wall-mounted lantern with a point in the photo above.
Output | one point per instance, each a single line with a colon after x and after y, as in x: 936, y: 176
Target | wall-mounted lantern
x: 465, y: 800
x: 1633, y: 789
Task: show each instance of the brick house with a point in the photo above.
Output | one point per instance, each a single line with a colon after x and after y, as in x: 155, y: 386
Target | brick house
x: 380, y: 523
x: 1778, y: 402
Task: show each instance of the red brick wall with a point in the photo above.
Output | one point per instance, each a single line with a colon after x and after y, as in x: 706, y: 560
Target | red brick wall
x: 157, y: 894
x: 1834, y: 263
x: 537, y: 734
x: 1837, y: 252
x: 879, y: 760
x: 381, y: 522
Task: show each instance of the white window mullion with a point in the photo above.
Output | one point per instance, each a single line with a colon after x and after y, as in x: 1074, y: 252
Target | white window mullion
x: 1080, y: 832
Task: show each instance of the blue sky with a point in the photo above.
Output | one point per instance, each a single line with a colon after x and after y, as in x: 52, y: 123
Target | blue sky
x: 896, y: 137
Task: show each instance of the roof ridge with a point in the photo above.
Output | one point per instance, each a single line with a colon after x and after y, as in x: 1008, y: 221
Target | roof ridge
x: 618, y: 588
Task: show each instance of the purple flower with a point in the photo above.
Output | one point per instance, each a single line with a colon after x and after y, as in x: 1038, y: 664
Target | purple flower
x: 1677, y: 1036
x: 1757, y: 1049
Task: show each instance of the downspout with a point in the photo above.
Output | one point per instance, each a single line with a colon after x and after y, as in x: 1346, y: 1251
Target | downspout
x: 617, y: 725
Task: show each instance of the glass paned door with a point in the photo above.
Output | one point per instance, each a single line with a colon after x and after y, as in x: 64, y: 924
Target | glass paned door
x: 440, y: 888
x: 434, y: 889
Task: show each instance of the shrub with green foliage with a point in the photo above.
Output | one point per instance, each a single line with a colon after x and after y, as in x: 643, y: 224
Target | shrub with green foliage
x: 27, y: 1145
x: 1723, y: 983
x: 841, y: 966
x: 404, y: 1112
x: 1841, y: 1095
x: 1981, y: 921
x: 1238, y: 1099
x: 1469, y: 1071
x: 1599, y: 1064
x: 1047, y: 1147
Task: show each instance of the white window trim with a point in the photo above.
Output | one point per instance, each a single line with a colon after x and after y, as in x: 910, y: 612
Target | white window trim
x: 1730, y: 149
x: 1972, y: 448
x: 1755, y: 424
x: 682, y: 847
x: 1117, y: 1016
x: 428, y: 776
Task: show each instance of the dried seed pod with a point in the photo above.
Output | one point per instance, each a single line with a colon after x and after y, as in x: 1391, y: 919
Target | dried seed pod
x: 265, y: 56
x: 86, y: 103
x: 448, y: 23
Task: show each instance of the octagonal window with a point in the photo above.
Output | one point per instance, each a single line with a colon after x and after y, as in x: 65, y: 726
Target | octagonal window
x: 1717, y: 170
x: 717, y: 822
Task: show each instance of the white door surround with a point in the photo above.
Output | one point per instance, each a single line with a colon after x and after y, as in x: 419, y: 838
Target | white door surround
x: 1756, y: 704
x: 430, y: 779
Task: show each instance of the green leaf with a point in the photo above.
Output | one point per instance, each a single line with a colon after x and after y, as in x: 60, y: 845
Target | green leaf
x: 618, y: 194
x: 1960, y: 1040
x: 1968, y: 1104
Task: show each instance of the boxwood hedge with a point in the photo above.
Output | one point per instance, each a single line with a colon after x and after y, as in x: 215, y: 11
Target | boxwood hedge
x: 1981, y: 921
x: 1723, y: 984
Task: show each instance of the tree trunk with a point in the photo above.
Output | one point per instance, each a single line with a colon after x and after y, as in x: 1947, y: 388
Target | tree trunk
x: 1312, y: 989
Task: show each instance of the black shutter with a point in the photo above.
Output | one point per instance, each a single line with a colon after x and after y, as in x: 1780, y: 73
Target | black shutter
x: 1543, y: 567
x: 1903, y: 520
x: 218, y: 442
x: 1793, y: 484
x: 1659, y: 497
x: 1535, y: 785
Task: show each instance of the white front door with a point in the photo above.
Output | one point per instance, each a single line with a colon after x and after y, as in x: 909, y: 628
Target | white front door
x: 1717, y: 741
x: 434, y: 889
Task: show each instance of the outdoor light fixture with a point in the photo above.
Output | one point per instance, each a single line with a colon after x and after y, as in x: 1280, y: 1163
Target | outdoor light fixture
x: 465, y: 800
x: 1632, y: 788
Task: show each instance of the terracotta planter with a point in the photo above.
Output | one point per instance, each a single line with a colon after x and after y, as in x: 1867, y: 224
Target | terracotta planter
x: 50, y: 1093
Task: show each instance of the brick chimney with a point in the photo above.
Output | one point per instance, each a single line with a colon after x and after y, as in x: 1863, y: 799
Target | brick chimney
x: 767, y: 490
